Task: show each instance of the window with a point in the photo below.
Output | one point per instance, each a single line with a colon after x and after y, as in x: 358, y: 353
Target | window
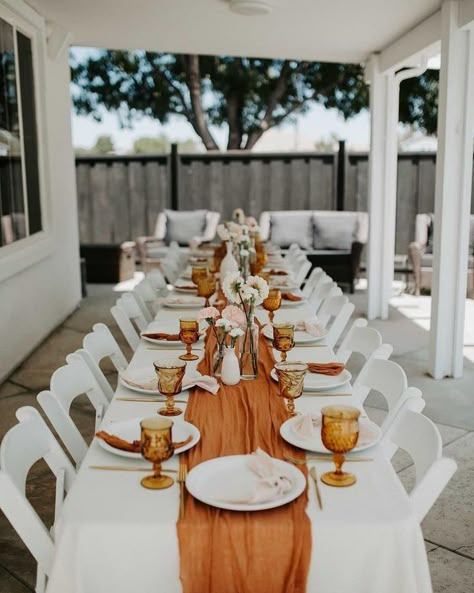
x: 20, y: 205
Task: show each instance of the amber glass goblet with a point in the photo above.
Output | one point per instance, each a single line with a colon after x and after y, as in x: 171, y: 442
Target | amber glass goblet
x: 156, y: 446
x: 255, y: 268
x: 272, y: 303
x: 283, y: 338
x: 198, y: 272
x: 291, y: 381
x: 206, y: 287
x: 188, y: 334
x: 170, y: 379
x: 339, y: 433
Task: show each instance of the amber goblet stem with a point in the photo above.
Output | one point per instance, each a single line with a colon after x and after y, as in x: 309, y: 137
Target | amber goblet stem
x: 290, y: 406
x: 207, y: 303
x: 283, y: 356
x: 157, y: 469
x: 338, y: 459
x: 271, y: 316
x: 170, y: 408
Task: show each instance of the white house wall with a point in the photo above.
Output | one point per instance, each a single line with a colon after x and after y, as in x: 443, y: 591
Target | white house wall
x: 38, y: 297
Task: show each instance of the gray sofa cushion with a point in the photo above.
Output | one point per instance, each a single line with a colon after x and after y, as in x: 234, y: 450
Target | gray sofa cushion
x: 183, y: 226
x: 335, y: 230
x: 289, y: 227
x: 427, y: 261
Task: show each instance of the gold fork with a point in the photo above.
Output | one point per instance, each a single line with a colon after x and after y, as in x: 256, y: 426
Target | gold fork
x: 314, y: 475
x: 182, y: 473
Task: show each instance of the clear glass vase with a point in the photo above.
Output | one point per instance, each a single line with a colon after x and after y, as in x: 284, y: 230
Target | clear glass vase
x: 217, y: 360
x: 248, y: 352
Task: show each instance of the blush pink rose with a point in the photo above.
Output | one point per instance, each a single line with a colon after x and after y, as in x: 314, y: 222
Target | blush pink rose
x: 208, y: 313
x: 233, y: 314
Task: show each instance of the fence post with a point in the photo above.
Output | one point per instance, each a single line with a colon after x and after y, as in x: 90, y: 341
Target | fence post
x: 174, y: 176
x: 341, y: 175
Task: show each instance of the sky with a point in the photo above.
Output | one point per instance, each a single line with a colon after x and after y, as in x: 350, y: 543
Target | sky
x: 315, y: 125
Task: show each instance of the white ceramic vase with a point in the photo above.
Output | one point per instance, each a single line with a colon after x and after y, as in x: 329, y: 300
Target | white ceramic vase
x: 229, y: 263
x: 230, y: 372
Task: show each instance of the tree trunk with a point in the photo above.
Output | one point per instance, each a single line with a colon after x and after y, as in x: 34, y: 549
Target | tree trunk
x: 199, y: 123
x: 234, y: 114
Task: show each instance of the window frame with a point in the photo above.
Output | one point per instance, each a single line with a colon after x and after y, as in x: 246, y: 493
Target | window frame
x: 26, y: 252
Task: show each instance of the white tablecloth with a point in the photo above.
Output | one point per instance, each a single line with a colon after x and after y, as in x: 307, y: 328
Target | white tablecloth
x: 115, y: 536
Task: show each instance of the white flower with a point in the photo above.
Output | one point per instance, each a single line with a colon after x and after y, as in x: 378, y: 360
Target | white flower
x: 238, y: 215
x: 260, y: 285
x: 225, y: 324
x: 223, y: 232
x: 234, y: 228
x: 236, y: 332
x: 231, y: 286
x: 245, y: 229
x: 249, y: 294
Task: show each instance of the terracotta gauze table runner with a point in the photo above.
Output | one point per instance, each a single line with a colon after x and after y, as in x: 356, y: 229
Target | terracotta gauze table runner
x: 242, y: 552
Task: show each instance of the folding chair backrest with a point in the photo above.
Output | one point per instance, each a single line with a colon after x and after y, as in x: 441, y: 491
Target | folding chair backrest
x: 126, y: 326
x: 360, y: 338
x: 68, y: 383
x: 156, y: 279
x: 129, y: 304
x: 23, y: 445
x: 316, y: 275
x: 420, y: 438
x: 334, y: 315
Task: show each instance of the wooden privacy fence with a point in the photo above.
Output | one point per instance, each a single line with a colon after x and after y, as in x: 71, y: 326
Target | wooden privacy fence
x: 120, y: 196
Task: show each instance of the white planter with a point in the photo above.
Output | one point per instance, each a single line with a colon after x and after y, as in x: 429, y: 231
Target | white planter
x: 230, y: 373
x: 229, y: 263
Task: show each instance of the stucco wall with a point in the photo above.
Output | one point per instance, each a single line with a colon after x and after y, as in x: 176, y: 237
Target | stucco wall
x: 37, y: 298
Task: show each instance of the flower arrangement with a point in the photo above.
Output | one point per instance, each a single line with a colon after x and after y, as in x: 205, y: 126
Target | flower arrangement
x: 224, y: 325
x: 248, y: 294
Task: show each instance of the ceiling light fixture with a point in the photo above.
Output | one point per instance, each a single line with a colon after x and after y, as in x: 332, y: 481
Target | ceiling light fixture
x: 251, y: 7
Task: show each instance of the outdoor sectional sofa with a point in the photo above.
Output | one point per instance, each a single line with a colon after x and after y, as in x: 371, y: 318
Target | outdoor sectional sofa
x: 332, y: 240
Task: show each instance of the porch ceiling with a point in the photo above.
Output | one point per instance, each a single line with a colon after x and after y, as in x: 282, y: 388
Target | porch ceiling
x: 336, y: 31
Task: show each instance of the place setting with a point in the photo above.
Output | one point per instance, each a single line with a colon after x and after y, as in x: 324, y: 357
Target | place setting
x: 165, y: 337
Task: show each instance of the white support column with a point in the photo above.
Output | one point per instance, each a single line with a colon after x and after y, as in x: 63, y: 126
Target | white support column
x: 453, y: 194
x: 382, y: 188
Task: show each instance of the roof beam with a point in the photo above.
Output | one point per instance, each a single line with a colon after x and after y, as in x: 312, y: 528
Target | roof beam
x: 406, y: 50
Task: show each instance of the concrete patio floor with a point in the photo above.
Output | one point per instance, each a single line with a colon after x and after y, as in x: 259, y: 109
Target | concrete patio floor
x: 448, y: 528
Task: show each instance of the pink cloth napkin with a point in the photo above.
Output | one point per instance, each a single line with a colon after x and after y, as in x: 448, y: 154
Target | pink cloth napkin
x: 311, y: 327
x: 306, y: 425
x: 204, y: 381
x: 270, y: 485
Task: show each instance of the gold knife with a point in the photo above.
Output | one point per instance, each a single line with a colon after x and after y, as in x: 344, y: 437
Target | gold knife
x: 314, y: 475
x: 127, y: 468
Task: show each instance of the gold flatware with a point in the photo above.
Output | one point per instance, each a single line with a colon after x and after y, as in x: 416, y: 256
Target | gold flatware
x: 311, y: 346
x: 147, y: 399
x: 314, y: 475
x: 182, y: 473
x: 127, y: 468
x: 322, y: 458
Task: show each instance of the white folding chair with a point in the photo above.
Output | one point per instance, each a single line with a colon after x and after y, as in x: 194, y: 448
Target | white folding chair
x: 333, y: 315
x: 323, y: 290
x: 390, y: 380
x: 129, y: 318
x: 316, y: 275
x: 67, y: 383
x: 97, y: 345
x: 301, y: 269
x: 420, y: 438
x: 146, y: 295
x: 157, y: 281
x: 23, y: 445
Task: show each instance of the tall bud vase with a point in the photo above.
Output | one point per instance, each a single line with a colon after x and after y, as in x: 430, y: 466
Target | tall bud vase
x: 230, y: 374
x: 229, y: 263
x: 248, y: 351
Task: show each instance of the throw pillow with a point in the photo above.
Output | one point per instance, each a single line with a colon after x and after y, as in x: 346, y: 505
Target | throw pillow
x: 334, y: 231
x: 289, y: 227
x: 182, y: 226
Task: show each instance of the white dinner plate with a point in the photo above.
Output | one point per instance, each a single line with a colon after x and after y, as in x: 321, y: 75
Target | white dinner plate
x: 301, y: 337
x: 371, y: 433
x: 130, y: 431
x: 191, y: 290
x: 287, y: 304
x: 317, y: 382
x: 184, y: 303
x: 218, y: 480
x: 165, y: 343
x: 290, y: 287
x: 143, y: 375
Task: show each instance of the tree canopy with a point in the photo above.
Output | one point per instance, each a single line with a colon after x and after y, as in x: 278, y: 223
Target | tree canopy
x: 250, y: 95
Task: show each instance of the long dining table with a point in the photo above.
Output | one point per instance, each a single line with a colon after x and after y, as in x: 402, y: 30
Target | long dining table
x: 113, y: 535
